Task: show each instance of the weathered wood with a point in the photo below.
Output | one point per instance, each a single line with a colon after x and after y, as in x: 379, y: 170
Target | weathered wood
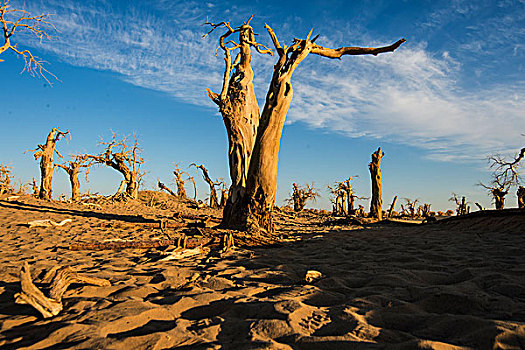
x: 62, y: 278
x: 118, y: 245
x: 392, y: 206
x: 124, y: 158
x: 166, y: 188
x: 33, y: 296
x: 251, y: 207
x: 45, y: 153
x: 214, y: 203
x: 376, y: 203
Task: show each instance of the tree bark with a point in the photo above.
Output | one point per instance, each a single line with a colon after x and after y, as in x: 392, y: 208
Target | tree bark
x: 499, y: 197
x: 253, y: 209
x: 376, y: 204
x: 45, y: 153
x: 181, y: 191
x: 392, y: 206
x: 214, y: 203
x: 521, y: 197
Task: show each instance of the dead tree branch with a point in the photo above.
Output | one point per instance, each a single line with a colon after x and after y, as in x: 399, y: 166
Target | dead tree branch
x: 13, y: 20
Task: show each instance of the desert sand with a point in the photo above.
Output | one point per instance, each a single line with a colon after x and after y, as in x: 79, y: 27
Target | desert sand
x: 455, y: 284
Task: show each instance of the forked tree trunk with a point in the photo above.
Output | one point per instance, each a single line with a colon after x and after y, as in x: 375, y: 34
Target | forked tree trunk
x: 376, y: 204
x: 252, y: 210
x: 499, y: 197
x: 521, y: 197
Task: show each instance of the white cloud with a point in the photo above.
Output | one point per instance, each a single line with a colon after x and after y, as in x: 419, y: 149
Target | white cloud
x: 410, y: 96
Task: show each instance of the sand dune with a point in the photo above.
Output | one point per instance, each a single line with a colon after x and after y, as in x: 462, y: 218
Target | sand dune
x: 457, y: 284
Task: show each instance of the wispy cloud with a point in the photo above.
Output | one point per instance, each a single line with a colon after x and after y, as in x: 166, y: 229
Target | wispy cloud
x: 413, y: 96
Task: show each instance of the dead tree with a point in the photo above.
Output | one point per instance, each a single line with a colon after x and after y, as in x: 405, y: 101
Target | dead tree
x: 5, y: 179
x: 125, y: 159
x: 521, y: 197
x: 35, y: 188
x: 461, y: 206
x: 392, y: 206
x: 425, y: 210
x: 376, y: 204
x: 181, y: 191
x: 411, y: 207
x: 72, y: 168
x: 224, y: 194
x: 499, y: 188
x: 192, y: 179
x: 238, y: 105
x: 301, y: 195
x: 13, y: 20
x: 214, y: 203
x: 252, y: 208
x: 505, y: 175
x: 166, y: 188
x: 45, y: 153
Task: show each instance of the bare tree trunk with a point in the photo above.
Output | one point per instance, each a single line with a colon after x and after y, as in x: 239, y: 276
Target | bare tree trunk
x: 376, y: 204
x: 73, y: 170
x: 45, y: 153
x: 181, y: 191
x: 214, y: 203
x: 521, y: 197
x: 253, y: 209
x: 499, y: 197
x: 166, y: 188
x: 392, y: 206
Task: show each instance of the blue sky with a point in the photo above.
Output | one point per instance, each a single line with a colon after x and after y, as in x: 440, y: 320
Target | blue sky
x: 451, y: 95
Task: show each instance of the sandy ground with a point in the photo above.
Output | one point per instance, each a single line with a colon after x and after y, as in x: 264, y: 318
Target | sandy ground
x: 457, y: 284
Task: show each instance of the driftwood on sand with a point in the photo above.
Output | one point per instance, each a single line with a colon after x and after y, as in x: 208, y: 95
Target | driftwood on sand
x: 59, y: 278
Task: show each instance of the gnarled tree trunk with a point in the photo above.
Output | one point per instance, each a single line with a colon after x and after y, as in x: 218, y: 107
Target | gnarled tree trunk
x: 376, y: 203
x: 126, y: 160
x: 45, y: 153
x: 253, y: 208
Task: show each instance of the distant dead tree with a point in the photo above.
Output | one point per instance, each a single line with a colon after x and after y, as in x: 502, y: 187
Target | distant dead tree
x: 424, y: 210
x: 124, y: 157
x: 505, y: 174
x: 461, y: 205
x: 392, y: 206
x: 339, y: 200
x: 345, y: 197
x: 301, y: 195
x: 72, y: 168
x: 192, y: 180
x: 224, y: 193
x: 162, y: 186
x: 181, y: 191
x: 410, y: 207
x: 5, y: 179
x: 13, y: 20
x: 214, y: 203
x: 376, y: 204
x: 254, y: 138
x: 45, y: 153
x: 521, y: 197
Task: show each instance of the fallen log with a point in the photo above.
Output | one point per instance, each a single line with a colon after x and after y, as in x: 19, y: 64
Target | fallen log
x: 118, y: 245
x: 61, y: 278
